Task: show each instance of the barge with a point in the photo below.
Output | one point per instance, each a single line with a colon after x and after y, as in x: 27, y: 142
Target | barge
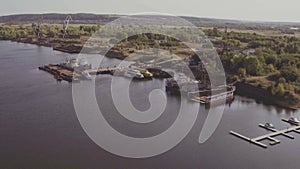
x: 220, y: 95
x: 158, y: 73
x: 66, y: 71
x: 61, y: 73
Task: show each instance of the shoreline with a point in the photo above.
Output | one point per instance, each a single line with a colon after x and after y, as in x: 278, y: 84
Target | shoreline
x: 71, y: 49
x: 243, y: 89
x: 263, y: 95
x: 65, y: 47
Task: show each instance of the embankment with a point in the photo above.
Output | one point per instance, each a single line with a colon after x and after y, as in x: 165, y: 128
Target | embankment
x: 264, y: 95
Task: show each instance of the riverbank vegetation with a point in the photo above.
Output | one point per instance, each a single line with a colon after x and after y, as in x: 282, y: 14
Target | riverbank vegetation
x: 268, y: 62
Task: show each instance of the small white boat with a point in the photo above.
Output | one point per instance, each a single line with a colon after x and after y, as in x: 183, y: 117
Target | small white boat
x: 293, y: 120
x: 72, y: 63
x: 146, y: 73
x: 133, y: 74
x: 269, y: 125
x: 86, y: 75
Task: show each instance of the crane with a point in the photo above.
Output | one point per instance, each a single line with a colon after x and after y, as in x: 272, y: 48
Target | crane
x: 38, y: 28
x: 66, y: 24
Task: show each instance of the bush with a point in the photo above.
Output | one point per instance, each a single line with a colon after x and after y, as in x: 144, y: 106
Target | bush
x: 242, y: 72
x: 279, y: 90
x: 291, y: 74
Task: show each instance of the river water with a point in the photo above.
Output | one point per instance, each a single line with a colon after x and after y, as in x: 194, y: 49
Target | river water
x: 39, y: 127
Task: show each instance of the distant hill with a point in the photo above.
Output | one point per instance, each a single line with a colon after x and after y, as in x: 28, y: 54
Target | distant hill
x: 86, y: 18
x: 57, y: 18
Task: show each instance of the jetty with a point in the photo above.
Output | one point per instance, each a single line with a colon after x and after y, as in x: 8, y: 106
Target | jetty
x: 270, y: 136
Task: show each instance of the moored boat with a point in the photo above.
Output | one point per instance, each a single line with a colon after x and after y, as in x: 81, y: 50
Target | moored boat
x: 269, y: 125
x: 86, y: 75
x: 293, y: 120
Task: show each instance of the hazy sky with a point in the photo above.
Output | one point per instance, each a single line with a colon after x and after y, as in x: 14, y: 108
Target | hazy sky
x: 256, y: 10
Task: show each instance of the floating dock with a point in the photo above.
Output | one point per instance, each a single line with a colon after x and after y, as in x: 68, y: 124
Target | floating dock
x: 288, y: 121
x: 269, y: 136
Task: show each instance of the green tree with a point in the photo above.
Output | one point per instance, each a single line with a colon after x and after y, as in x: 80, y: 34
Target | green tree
x: 242, y: 72
x: 215, y: 32
x: 280, y: 89
x: 291, y: 74
x: 253, y: 66
x: 271, y: 59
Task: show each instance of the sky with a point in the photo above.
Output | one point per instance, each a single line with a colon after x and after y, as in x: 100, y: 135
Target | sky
x: 251, y: 10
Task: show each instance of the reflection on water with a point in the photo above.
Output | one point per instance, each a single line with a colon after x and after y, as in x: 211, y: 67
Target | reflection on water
x: 39, y: 127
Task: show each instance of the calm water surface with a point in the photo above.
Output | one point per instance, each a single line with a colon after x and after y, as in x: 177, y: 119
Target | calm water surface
x: 39, y: 127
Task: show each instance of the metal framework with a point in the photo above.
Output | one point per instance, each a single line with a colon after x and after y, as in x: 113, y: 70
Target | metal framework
x: 38, y: 27
x: 66, y: 25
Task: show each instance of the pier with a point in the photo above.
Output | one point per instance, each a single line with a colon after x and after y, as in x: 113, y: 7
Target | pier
x: 269, y: 136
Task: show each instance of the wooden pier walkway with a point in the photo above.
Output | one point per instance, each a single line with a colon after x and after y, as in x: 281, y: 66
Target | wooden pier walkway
x: 269, y: 136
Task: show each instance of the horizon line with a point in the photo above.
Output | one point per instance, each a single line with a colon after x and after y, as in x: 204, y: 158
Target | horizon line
x: 180, y: 15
